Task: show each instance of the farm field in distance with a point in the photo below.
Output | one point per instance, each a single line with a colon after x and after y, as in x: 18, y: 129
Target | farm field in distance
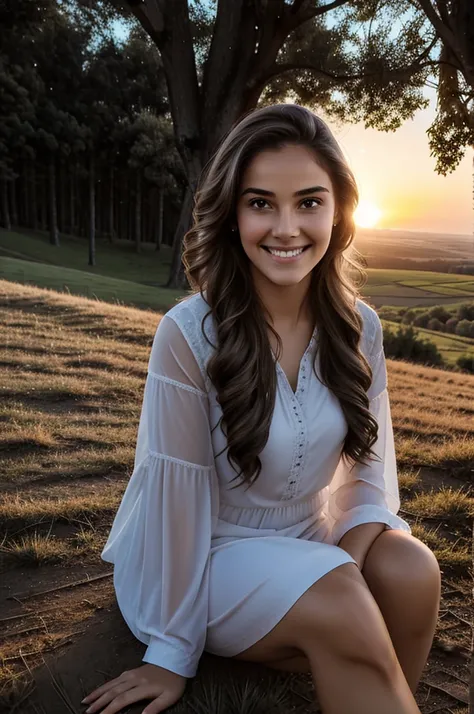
x: 417, y: 288
x: 384, y: 244
x: 72, y: 379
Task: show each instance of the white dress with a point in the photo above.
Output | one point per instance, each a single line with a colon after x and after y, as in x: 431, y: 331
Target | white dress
x: 198, y: 566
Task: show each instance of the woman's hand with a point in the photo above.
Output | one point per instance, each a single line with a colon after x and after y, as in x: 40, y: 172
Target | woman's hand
x: 146, y: 682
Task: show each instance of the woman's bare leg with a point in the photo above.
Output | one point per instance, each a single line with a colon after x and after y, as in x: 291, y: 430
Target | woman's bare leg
x: 357, y: 680
x: 339, y: 628
x: 404, y: 577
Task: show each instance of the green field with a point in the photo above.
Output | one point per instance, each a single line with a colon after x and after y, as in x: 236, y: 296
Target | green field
x: 417, y: 286
x: 117, y: 260
x: 78, y: 282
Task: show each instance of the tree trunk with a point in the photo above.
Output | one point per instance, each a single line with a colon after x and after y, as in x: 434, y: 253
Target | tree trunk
x: 122, y: 209
x: 62, y: 198
x: 161, y: 213
x: 111, y: 204
x: 34, y: 202
x: 232, y: 81
x: 14, y: 207
x: 53, y: 214
x: 177, y: 278
x: 44, y: 201
x: 138, y: 211
x: 26, y: 218
x: 91, y: 210
x: 5, y: 208
x: 72, y: 201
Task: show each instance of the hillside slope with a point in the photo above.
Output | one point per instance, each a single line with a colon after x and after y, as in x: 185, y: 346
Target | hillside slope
x: 72, y: 379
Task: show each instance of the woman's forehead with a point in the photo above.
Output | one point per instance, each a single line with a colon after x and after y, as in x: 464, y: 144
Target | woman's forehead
x: 290, y: 168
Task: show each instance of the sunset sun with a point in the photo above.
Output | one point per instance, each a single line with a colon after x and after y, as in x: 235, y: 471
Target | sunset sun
x: 367, y: 214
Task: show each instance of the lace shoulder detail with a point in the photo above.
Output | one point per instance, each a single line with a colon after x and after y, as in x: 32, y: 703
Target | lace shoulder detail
x: 189, y: 315
x: 370, y: 327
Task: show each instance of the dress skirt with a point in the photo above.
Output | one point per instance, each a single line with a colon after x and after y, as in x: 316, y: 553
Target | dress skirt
x: 254, y: 582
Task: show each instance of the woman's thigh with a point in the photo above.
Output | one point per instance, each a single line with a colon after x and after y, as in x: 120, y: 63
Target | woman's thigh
x: 285, y: 645
x: 256, y: 584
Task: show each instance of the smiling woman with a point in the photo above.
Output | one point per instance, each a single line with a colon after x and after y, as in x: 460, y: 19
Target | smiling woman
x: 260, y: 568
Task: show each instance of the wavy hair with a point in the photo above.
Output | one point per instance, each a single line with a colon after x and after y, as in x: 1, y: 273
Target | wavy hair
x: 242, y: 367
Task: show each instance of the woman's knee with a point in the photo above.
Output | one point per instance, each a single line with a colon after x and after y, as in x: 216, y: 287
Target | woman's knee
x: 339, y: 615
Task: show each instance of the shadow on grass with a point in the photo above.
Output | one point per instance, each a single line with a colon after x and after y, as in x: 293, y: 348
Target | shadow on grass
x: 107, y: 648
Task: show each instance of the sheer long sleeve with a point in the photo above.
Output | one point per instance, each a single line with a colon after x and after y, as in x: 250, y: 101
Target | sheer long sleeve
x: 369, y: 494
x: 160, y: 539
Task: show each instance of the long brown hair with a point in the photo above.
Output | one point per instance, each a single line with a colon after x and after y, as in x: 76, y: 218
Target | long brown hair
x: 242, y: 367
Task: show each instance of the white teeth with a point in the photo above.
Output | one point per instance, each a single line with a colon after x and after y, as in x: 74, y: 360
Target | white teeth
x: 286, y: 253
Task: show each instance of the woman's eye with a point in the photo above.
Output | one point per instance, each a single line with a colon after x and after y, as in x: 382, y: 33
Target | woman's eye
x: 257, y: 200
x: 313, y: 200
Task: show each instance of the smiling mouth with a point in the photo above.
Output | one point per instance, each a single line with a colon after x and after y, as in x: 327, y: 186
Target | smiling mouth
x: 269, y: 248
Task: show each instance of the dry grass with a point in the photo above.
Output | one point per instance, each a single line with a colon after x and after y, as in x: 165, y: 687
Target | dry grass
x: 72, y: 376
x: 445, y: 503
x: 447, y: 553
x: 35, y: 549
x: 74, y: 373
x: 30, y: 510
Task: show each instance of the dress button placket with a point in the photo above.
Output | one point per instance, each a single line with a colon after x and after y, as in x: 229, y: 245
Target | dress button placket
x: 291, y: 487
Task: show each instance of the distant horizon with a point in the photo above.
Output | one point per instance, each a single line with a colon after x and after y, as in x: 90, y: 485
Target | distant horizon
x: 415, y: 230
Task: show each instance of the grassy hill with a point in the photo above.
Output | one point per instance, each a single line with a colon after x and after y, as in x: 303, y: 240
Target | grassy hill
x: 117, y: 260
x: 85, y: 284
x: 72, y: 379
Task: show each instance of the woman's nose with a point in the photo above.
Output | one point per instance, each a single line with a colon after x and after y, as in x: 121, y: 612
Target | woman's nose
x: 286, y: 224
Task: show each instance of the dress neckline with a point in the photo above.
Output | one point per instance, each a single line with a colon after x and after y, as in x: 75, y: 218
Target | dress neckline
x: 282, y: 372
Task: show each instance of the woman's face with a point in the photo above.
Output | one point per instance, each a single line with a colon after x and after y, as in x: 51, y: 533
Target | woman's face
x: 285, y: 202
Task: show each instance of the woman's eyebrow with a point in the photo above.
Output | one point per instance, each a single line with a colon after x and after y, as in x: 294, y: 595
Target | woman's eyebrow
x: 303, y: 192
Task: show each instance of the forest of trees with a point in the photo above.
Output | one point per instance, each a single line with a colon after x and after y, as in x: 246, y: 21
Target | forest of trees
x: 86, y: 139
x: 106, y: 136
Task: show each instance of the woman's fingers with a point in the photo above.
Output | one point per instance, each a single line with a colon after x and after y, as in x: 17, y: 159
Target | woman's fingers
x: 129, y: 697
x: 109, y: 696
x: 103, y: 688
x: 149, y: 681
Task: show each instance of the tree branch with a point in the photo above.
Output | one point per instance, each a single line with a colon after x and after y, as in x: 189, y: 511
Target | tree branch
x: 401, y: 73
x: 301, y: 13
x: 150, y: 15
x: 444, y: 12
x: 443, y: 31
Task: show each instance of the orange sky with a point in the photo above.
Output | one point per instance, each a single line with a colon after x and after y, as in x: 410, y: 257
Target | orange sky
x: 395, y: 172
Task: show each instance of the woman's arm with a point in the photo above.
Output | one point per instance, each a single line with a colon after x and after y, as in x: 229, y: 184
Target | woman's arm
x: 367, y: 494
x: 161, y: 536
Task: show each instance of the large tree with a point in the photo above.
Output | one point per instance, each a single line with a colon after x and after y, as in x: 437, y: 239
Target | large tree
x: 84, y: 123
x: 453, y: 128
x: 222, y: 59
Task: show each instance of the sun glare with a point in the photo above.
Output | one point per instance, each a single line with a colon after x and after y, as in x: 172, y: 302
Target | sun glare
x: 367, y: 214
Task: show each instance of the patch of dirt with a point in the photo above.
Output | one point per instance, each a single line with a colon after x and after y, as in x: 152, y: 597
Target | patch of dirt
x: 106, y: 648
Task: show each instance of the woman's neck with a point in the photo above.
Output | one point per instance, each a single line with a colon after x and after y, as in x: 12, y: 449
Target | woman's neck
x: 287, y: 305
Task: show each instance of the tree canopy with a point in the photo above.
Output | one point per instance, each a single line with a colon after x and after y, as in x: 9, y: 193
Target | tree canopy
x: 130, y: 118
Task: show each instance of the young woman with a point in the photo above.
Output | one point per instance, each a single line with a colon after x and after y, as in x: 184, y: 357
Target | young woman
x: 259, y: 523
